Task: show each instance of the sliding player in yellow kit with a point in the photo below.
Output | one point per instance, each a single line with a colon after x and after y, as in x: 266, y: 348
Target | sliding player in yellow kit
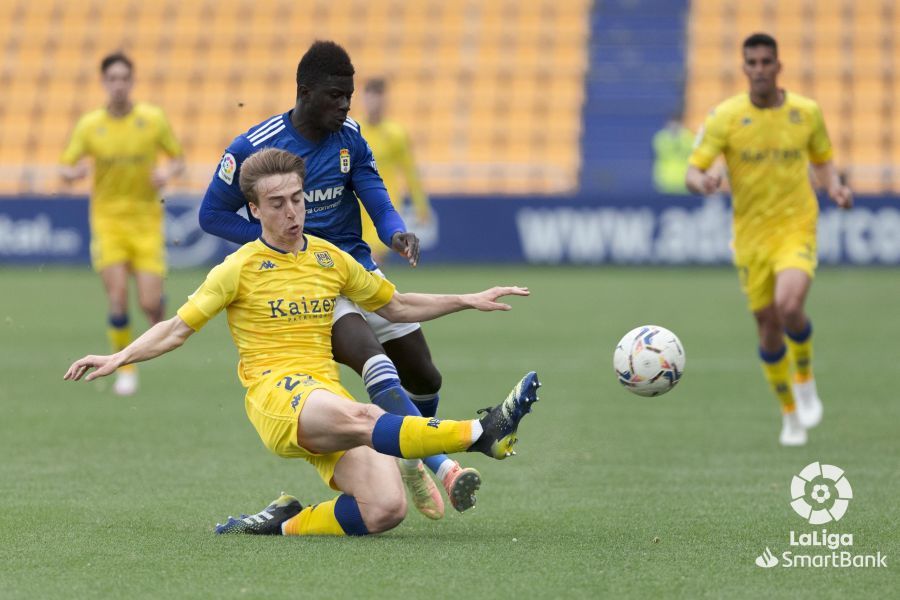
x: 279, y: 293
x: 392, y: 151
x: 126, y: 213
x: 769, y: 137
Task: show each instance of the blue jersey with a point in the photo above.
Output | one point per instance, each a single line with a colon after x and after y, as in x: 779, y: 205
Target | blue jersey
x: 338, y: 169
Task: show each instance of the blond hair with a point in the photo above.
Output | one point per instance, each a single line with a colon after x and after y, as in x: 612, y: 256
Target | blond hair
x: 270, y: 161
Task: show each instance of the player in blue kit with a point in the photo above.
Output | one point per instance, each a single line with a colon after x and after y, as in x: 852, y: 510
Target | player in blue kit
x: 340, y: 168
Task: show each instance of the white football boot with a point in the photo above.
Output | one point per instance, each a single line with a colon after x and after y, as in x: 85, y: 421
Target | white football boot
x: 126, y: 382
x: 809, y: 406
x: 792, y: 432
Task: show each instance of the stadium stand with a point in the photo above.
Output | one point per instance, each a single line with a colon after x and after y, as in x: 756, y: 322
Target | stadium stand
x: 635, y: 83
x: 492, y: 91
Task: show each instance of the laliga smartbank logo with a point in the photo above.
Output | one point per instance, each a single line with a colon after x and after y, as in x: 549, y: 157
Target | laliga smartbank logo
x: 820, y: 494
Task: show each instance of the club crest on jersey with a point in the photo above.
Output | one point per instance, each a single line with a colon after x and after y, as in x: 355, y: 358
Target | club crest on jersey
x: 324, y: 259
x: 345, y: 160
x: 227, y: 168
x: 794, y: 116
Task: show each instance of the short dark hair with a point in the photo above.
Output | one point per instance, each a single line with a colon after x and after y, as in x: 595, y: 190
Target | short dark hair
x: 761, y: 39
x: 116, y: 57
x: 270, y: 161
x: 322, y: 60
x: 377, y: 85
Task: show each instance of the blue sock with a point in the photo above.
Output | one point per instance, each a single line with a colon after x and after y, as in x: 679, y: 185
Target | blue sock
x: 384, y: 389
x: 797, y: 336
x: 426, y: 403
x: 118, y: 321
x: 346, y: 511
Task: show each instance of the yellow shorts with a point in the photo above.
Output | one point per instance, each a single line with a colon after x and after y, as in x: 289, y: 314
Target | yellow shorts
x: 757, y: 269
x: 143, y: 248
x: 273, y: 406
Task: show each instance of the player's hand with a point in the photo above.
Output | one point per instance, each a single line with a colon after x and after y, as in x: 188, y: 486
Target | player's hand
x: 104, y: 365
x: 159, y: 178
x: 406, y: 244
x: 710, y: 184
x: 487, y: 300
x: 842, y: 196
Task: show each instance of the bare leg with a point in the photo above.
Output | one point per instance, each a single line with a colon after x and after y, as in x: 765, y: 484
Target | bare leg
x: 374, y: 481
x: 791, y: 288
x: 353, y: 342
x: 150, y: 295
x: 115, y: 282
x: 412, y: 357
x: 329, y: 423
x: 770, y: 329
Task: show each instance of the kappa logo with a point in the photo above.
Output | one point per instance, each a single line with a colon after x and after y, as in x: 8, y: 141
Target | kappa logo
x: 434, y: 422
x: 267, y: 264
x: 345, y: 160
x: 324, y: 259
x: 227, y: 168
x: 820, y: 493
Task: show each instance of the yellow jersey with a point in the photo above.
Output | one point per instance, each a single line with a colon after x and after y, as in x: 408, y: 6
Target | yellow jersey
x: 768, y: 152
x: 280, y: 306
x: 392, y: 151
x: 124, y: 150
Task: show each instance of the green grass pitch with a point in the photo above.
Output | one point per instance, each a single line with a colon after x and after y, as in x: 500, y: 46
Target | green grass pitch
x: 611, y: 495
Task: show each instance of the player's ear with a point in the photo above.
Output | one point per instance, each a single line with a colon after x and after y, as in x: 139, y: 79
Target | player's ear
x: 254, y: 209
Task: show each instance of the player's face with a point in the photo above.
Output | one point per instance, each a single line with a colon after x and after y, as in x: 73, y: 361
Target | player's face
x: 761, y: 67
x: 281, y: 209
x: 329, y: 102
x: 117, y: 81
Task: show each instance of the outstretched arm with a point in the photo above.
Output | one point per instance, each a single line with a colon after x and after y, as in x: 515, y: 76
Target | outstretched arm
x: 159, y: 339
x: 413, y: 308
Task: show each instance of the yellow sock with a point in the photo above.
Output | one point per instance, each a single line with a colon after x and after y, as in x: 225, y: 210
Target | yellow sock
x: 777, y: 371
x: 800, y: 350
x: 317, y: 519
x: 119, y: 337
x: 421, y: 437
x: 340, y: 516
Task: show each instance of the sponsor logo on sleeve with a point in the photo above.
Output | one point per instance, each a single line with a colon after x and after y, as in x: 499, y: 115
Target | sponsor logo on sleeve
x: 227, y: 168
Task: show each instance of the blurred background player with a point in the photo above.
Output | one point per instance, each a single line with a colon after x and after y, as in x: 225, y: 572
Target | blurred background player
x: 769, y: 137
x: 340, y: 168
x: 126, y: 213
x: 392, y: 150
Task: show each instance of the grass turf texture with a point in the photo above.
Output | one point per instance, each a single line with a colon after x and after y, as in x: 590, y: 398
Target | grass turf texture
x: 610, y: 495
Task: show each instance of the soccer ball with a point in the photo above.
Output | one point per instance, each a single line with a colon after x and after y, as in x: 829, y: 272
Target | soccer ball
x: 649, y: 360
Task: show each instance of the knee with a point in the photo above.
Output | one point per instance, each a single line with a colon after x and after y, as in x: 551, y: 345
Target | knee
x: 153, y: 309
x: 771, y: 330
x: 423, y: 380
x: 790, y: 310
x: 387, y: 512
x: 362, y: 417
